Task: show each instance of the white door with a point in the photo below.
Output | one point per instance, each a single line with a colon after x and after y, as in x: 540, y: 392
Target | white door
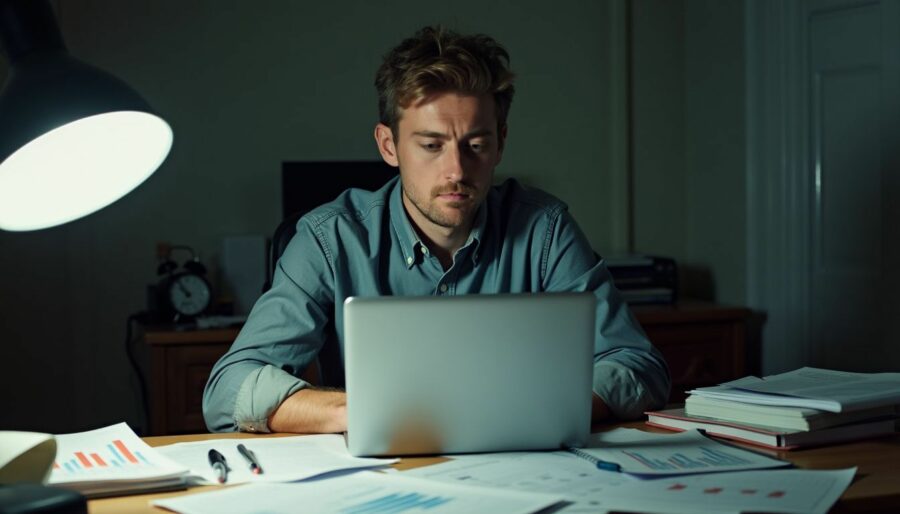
x: 854, y: 116
x: 824, y: 114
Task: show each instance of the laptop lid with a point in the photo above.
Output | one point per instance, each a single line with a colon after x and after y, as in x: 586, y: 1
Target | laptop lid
x: 473, y: 373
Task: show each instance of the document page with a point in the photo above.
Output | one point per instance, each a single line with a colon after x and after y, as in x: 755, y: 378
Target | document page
x: 648, y: 454
x: 790, y: 491
x: 282, y: 459
x: 111, y: 459
x: 850, y: 390
x: 359, y: 493
x: 576, y: 480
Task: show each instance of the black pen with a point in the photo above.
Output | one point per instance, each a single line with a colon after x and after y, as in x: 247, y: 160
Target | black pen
x: 217, y: 461
x: 255, y: 468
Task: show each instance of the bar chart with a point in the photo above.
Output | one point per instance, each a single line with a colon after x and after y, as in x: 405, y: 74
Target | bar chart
x: 112, y: 454
x: 704, y: 458
x: 397, y: 502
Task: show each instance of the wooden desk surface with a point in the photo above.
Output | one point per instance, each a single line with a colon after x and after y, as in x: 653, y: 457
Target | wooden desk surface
x: 876, y: 487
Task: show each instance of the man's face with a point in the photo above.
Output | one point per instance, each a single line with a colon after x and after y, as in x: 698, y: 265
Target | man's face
x: 446, y: 148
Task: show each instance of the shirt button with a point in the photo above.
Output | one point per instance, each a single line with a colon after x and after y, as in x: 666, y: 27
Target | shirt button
x: 443, y: 288
x: 424, y: 250
x: 409, y: 261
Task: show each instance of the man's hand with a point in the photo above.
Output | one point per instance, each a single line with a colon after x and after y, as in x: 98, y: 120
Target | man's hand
x: 599, y: 410
x: 311, y: 411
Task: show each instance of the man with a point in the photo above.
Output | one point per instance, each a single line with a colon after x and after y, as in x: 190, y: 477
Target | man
x: 441, y: 228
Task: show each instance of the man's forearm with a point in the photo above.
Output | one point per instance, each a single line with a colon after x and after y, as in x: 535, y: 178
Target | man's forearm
x: 311, y: 411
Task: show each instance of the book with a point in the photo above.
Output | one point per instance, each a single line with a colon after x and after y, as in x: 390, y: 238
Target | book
x: 770, y: 437
x: 812, y: 388
x: 779, y: 417
x: 113, y: 461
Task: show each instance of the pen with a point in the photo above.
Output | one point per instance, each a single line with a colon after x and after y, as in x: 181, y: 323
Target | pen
x: 255, y: 468
x: 217, y: 461
x: 600, y: 463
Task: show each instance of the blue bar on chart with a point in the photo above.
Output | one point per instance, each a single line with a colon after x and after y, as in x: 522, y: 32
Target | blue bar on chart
x: 116, y: 454
x: 707, y: 458
x: 719, y: 458
x: 650, y: 463
x: 396, y: 502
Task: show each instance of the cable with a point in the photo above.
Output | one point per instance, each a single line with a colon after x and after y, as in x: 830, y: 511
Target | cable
x: 142, y: 383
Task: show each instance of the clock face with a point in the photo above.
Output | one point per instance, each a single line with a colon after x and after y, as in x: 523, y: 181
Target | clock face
x: 189, y: 294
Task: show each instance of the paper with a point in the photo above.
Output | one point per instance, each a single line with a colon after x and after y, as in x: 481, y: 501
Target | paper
x: 648, y: 454
x: 813, y: 388
x: 788, y: 491
x: 283, y: 459
x: 358, y: 493
x: 559, y: 472
x: 112, y: 459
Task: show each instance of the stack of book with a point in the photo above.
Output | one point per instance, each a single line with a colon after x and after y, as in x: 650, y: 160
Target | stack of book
x: 805, y: 407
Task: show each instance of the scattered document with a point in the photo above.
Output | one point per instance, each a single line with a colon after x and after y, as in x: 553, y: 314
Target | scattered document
x: 788, y: 491
x: 358, y: 493
x: 112, y: 460
x: 813, y: 388
x: 646, y: 454
x: 561, y: 473
x: 283, y: 459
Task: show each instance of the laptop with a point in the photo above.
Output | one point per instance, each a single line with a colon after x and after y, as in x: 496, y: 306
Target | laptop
x: 474, y: 373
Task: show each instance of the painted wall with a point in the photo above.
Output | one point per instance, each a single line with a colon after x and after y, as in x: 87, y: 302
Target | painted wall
x: 246, y: 86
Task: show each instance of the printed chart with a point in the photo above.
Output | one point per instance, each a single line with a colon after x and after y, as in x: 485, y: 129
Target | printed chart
x: 115, y: 453
x: 397, y: 502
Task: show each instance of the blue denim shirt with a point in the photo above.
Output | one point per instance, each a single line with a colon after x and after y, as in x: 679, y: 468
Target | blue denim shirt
x: 362, y: 244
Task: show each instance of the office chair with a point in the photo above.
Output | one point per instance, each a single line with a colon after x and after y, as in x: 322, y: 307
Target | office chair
x: 302, y: 194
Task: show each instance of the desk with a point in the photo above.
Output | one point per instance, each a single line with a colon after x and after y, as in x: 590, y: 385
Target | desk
x: 703, y: 343
x: 876, y: 487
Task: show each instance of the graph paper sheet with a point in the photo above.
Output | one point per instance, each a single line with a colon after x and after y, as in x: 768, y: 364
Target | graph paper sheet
x: 783, y: 491
x: 358, y: 493
x: 283, y: 459
x: 112, y: 459
x: 648, y: 454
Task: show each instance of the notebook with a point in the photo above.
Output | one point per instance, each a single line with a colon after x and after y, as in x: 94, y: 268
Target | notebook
x: 473, y: 373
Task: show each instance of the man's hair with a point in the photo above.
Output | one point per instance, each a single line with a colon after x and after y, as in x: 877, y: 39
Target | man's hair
x: 437, y: 60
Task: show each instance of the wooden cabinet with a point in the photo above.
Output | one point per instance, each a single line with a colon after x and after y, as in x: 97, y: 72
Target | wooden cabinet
x: 180, y: 363
x: 702, y: 343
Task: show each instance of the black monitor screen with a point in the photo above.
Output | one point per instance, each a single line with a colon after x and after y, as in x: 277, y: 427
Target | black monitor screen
x: 308, y: 184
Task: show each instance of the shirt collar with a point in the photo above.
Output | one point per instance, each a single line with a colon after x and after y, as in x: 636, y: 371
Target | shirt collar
x: 411, y: 245
x: 409, y: 240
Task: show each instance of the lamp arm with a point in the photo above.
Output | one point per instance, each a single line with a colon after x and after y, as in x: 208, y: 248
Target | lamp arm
x: 28, y: 26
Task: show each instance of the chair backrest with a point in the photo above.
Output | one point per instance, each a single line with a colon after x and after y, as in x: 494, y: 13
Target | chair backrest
x: 332, y: 178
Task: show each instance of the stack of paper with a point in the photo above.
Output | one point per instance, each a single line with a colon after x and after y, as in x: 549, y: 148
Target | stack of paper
x: 112, y: 460
x: 803, y: 407
x: 812, y: 388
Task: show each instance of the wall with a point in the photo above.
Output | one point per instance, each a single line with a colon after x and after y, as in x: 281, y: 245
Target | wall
x: 246, y: 86
x: 688, y: 170
x: 715, y: 146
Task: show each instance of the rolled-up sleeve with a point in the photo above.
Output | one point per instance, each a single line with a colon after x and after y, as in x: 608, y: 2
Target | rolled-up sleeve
x: 283, y: 335
x: 630, y: 374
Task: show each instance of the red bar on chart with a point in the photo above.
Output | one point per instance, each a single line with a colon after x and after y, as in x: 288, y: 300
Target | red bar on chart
x: 100, y: 462
x: 121, y: 446
x: 84, y: 460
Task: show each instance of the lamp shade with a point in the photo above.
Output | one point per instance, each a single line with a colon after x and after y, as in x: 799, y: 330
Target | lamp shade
x: 73, y: 138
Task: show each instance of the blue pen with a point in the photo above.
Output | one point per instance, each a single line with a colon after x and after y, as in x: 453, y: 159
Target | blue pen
x: 600, y: 463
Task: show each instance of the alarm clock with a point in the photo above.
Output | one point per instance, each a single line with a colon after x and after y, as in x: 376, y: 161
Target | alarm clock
x: 184, y: 292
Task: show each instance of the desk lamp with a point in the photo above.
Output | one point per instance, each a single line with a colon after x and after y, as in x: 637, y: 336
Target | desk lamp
x: 73, y: 139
